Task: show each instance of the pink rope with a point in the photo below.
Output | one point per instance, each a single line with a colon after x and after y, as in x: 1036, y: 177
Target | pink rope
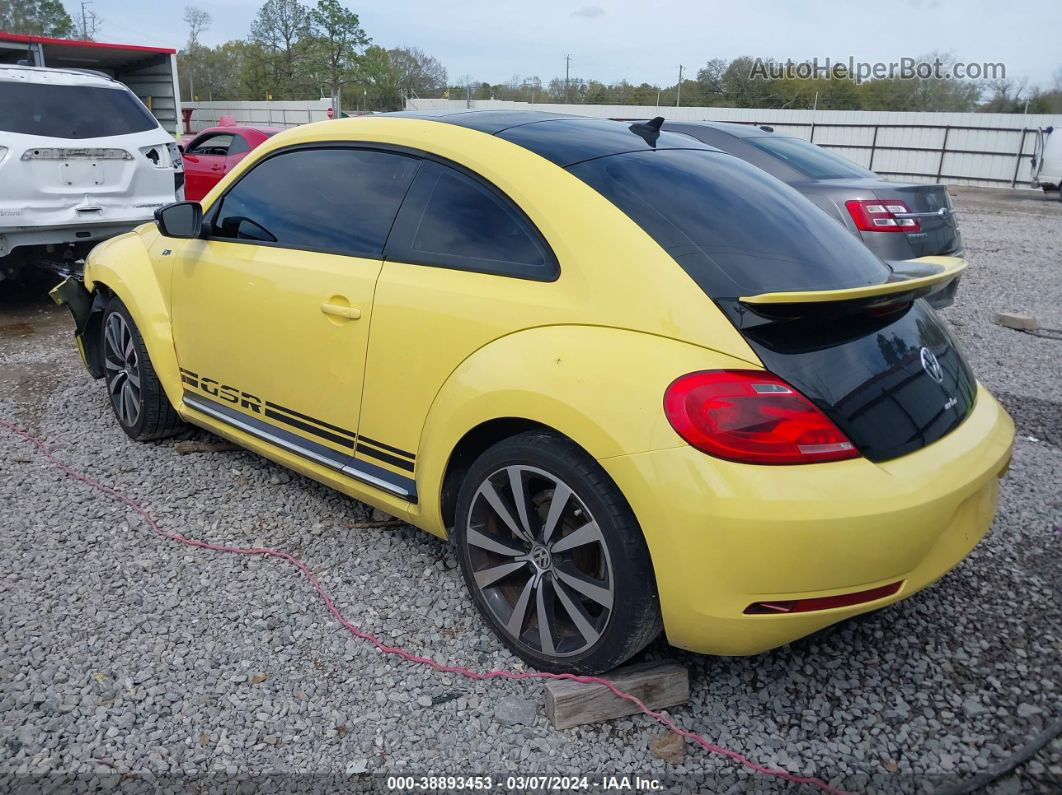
x: 330, y: 605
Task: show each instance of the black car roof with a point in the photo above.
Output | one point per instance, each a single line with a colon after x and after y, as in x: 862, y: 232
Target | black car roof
x: 731, y: 128
x: 561, y: 138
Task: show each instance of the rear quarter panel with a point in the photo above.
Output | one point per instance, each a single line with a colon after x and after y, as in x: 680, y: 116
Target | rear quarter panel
x: 601, y: 387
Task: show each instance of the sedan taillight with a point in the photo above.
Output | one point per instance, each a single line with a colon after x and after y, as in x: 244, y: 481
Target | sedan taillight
x: 753, y: 417
x: 880, y: 215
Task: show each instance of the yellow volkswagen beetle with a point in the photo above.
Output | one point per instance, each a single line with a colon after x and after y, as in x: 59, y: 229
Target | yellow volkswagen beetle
x: 639, y: 383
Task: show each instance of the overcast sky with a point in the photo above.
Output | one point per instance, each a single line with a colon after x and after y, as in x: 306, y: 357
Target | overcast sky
x: 646, y: 41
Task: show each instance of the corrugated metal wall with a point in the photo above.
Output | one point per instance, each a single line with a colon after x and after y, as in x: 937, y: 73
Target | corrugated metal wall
x: 991, y: 149
x: 152, y: 81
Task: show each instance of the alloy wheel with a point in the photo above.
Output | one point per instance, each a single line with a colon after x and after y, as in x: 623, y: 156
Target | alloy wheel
x: 540, y: 561
x: 123, y: 369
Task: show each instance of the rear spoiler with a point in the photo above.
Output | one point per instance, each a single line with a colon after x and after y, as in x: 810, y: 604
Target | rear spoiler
x: 916, y: 278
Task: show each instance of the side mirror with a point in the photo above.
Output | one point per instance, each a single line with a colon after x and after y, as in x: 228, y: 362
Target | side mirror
x: 182, y: 219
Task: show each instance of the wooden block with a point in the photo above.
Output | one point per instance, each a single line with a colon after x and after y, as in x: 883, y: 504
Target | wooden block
x: 1020, y: 322
x: 657, y: 684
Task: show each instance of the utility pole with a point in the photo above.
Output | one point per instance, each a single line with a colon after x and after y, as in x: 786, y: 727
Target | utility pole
x: 678, y: 95
x: 567, y: 67
x: 84, y: 19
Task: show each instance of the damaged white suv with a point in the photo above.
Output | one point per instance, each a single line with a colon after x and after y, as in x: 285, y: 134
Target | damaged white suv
x: 81, y: 160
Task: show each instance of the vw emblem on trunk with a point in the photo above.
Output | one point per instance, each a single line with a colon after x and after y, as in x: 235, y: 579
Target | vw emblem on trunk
x: 932, y: 366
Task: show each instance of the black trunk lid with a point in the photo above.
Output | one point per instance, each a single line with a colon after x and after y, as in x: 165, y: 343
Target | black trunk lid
x: 939, y: 233
x: 891, y: 378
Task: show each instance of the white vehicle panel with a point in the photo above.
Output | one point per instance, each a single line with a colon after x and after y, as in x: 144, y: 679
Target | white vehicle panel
x: 60, y: 182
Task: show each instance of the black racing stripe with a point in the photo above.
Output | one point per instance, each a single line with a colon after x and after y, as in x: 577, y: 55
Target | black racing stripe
x: 394, y: 461
x: 308, y: 418
x: 192, y: 381
x: 343, y: 462
x: 189, y: 372
x: 363, y: 438
x: 305, y: 426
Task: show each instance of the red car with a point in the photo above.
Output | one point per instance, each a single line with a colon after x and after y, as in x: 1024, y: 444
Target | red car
x: 210, y: 154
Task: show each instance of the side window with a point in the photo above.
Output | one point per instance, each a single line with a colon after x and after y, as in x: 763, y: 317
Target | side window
x: 238, y: 145
x: 339, y: 201
x: 212, y: 145
x: 451, y: 220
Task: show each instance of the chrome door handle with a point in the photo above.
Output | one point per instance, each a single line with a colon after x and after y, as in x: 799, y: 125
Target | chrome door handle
x: 338, y: 310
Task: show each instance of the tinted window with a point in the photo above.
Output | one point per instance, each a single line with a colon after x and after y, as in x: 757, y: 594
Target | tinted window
x: 217, y: 145
x: 810, y: 160
x: 740, y: 147
x: 735, y: 229
x: 239, y: 144
x: 450, y: 219
x: 341, y: 201
x: 567, y: 141
x: 71, y: 111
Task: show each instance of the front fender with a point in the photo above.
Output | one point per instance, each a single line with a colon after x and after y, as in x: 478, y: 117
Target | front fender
x: 601, y: 387
x: 125, y: 267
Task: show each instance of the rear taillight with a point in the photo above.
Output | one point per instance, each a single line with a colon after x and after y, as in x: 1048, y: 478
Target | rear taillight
x: 880, y: 215
x: 754, y: 417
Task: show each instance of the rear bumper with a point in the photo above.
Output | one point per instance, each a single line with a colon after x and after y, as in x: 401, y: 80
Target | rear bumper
x: 725, y: 535
x: 81, y: 232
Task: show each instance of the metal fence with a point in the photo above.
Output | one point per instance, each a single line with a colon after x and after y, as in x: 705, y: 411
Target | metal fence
x: 990, y: 149
x: 286, y: 113
x: 1015, y: 158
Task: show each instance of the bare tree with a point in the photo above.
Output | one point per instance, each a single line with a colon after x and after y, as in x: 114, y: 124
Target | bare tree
x: 417, y: 72
x: 197, y: 20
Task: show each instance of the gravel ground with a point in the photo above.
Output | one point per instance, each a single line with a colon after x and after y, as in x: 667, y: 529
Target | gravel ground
x: 121, y: 652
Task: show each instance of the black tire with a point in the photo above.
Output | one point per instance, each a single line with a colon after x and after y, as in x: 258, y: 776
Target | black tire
x: 616, y: 607
x: 142, y: 409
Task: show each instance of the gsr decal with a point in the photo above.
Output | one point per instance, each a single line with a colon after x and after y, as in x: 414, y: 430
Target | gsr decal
x: 209, y: 386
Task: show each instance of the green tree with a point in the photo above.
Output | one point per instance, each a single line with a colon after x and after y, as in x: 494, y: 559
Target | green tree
x: 35, y: 18
x: 282, y: 29
x: 336, y: 39
x: 379, y: 80
x: 389, y: 77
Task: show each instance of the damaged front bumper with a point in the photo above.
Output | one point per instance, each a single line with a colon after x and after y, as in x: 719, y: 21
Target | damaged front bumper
x: 87, y: 309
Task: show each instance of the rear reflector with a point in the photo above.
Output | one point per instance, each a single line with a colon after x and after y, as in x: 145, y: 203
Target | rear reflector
x: 753, y: 417
x: 881, y: 215
x: 821, y: 602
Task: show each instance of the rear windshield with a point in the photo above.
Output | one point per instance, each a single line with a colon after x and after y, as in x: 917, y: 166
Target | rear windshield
x: 810, y: 160
x: 71, y: 111
x: 734, y: 228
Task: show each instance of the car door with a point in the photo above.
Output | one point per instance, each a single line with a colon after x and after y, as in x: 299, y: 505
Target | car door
x: 205, y: 164
x: 464, y: 266
x: 271, y: 309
